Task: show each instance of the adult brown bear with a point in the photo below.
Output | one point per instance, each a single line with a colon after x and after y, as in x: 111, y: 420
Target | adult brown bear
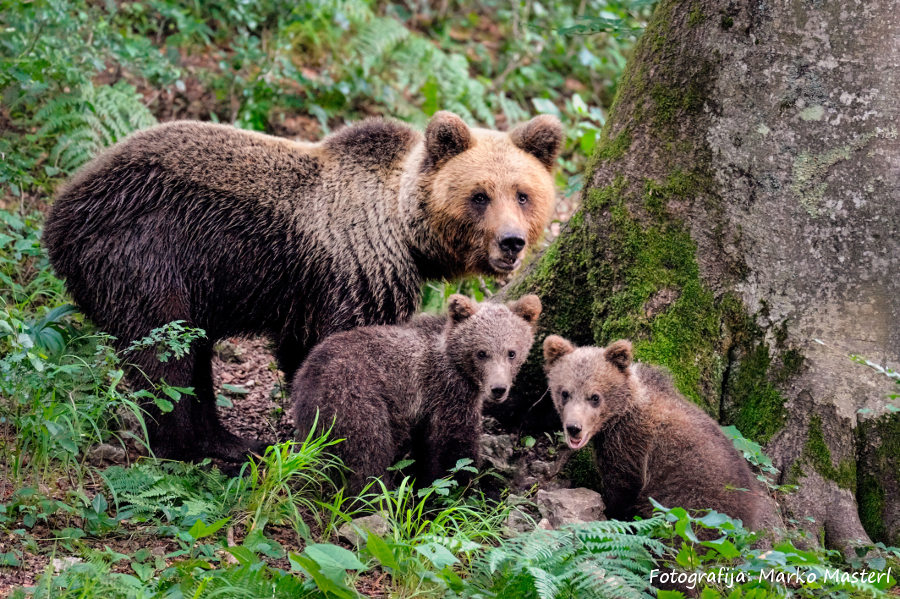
x: 239, y: 233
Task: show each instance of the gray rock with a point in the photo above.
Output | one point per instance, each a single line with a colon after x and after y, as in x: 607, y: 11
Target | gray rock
x: 106, y: 454
x: 569, y: 506
x: 229, y: 352
x: 356, y: 530
x: 497, y: 450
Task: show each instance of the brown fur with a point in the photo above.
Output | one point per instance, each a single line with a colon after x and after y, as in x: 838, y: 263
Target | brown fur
x: 242, y: 233
x: 417, y: 387
x: 649, y: 440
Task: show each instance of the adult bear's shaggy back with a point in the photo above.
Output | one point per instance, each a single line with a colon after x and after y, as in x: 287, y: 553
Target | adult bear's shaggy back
x: 238, y: 232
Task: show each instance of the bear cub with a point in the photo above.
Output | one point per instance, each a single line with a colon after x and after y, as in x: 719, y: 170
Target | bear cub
x: 417, y: 387
x: 649, y: 441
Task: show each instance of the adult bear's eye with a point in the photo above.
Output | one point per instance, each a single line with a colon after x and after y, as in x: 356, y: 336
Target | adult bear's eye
x: 512, y: 354
x: 480, y: 198
x: 595, y: 399
x: 565, y: 396
x: 482, y: 355
x: 522, y: 197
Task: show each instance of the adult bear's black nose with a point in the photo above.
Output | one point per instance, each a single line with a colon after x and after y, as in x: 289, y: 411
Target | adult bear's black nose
x: 498, y: 392
x: 512, y: 244
x: 573, y: 429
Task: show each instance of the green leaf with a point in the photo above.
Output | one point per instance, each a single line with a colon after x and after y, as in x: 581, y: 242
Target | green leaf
x: 9, y: 559
x: 236, y: 389
x: 401, y: 465
x: 725, y: 548
x: 200, y: 530
x: 99, y: 503
x: 430, y: 91
x: 437, y: 554
x: 687, y: 557
x: 381, y: 551
x: 669, y: 594
x: 223, y: 401
x: 328, y: 555
x: 243, y: 555
x: 164, y: 405
x: 545, y: 106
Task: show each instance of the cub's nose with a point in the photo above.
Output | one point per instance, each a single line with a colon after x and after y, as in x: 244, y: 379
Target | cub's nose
x: 573, y: 429
x: 498, y: 392
x: 512, y: 244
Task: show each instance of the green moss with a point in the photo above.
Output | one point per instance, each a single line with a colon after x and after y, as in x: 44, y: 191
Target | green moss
x: 654, y: 259
x: 870, y: 501
x: 878, y: 447
x: 615, y: 148
x: 607, y: 150
x: 582, y: 469
x: 727, y: 22
x: 681, y: 185
x: 817, y: 454
x: 760, y: 411
x: 696, y: 16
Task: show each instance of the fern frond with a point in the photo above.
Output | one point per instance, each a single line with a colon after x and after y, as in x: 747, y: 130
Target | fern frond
x: 89, y: 119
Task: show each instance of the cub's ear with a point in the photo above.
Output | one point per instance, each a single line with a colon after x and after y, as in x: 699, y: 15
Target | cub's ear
x: 445, y: 137
x: 541, y: 137
x: 619, y: 354
x: 461, y: 307
x: 555, y: 347
x: 528, y: 307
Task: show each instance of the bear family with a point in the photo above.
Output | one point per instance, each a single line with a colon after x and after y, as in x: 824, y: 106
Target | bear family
x: 649, y: 441
x: 237, y: 232
x: 417, y: 387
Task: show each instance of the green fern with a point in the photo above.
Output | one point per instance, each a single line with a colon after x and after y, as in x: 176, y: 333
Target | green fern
x: 173, y: 491
x: 85, y: 121
x: 598, y: 559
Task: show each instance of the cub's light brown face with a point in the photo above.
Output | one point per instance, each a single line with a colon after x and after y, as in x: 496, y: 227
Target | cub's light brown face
x: 489, y: 342
x: 589, y: 385
x: 492, y: 193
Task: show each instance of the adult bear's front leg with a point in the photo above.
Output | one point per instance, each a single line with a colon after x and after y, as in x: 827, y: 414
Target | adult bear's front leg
x: 192, y: 429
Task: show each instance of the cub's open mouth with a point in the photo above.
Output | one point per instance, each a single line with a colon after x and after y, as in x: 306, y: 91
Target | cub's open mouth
x: 577, y: 442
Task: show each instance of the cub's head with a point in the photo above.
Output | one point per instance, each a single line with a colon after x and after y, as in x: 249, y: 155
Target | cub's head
x: 589, y: 385
x: 488, y: 342
x: 491, y: 193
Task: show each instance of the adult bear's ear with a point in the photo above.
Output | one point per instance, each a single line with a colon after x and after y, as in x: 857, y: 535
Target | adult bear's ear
x: 528, y: 307
x: 461, y: 307
x: 555, y: 347
x: 619, y: 354
x: 542, y: 137
x: 445, y: 137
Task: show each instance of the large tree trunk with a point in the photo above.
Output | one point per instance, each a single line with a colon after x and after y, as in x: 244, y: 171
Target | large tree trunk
x: 742, y: 205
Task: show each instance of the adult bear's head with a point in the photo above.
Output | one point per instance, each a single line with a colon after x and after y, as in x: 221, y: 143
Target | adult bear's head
x: 491, y: 192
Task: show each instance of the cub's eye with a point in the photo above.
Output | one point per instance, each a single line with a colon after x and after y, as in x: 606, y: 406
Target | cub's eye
x: 565, y: 396
x: 522, y: 197
x: 482, y: 355
x: 595, y: 399
x: 480, y: 198
x: 512, y: 355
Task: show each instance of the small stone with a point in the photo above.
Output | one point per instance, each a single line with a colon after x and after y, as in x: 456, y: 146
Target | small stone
x: 355, y: 531
x: 58, y: 564
x: 229, y: 352
x: 106, y: 454
x: 570, y: 506
x: 497, y: 450
x: 519, y: 522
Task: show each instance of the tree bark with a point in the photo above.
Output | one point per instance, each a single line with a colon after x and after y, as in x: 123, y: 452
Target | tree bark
x: 743, y: 204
